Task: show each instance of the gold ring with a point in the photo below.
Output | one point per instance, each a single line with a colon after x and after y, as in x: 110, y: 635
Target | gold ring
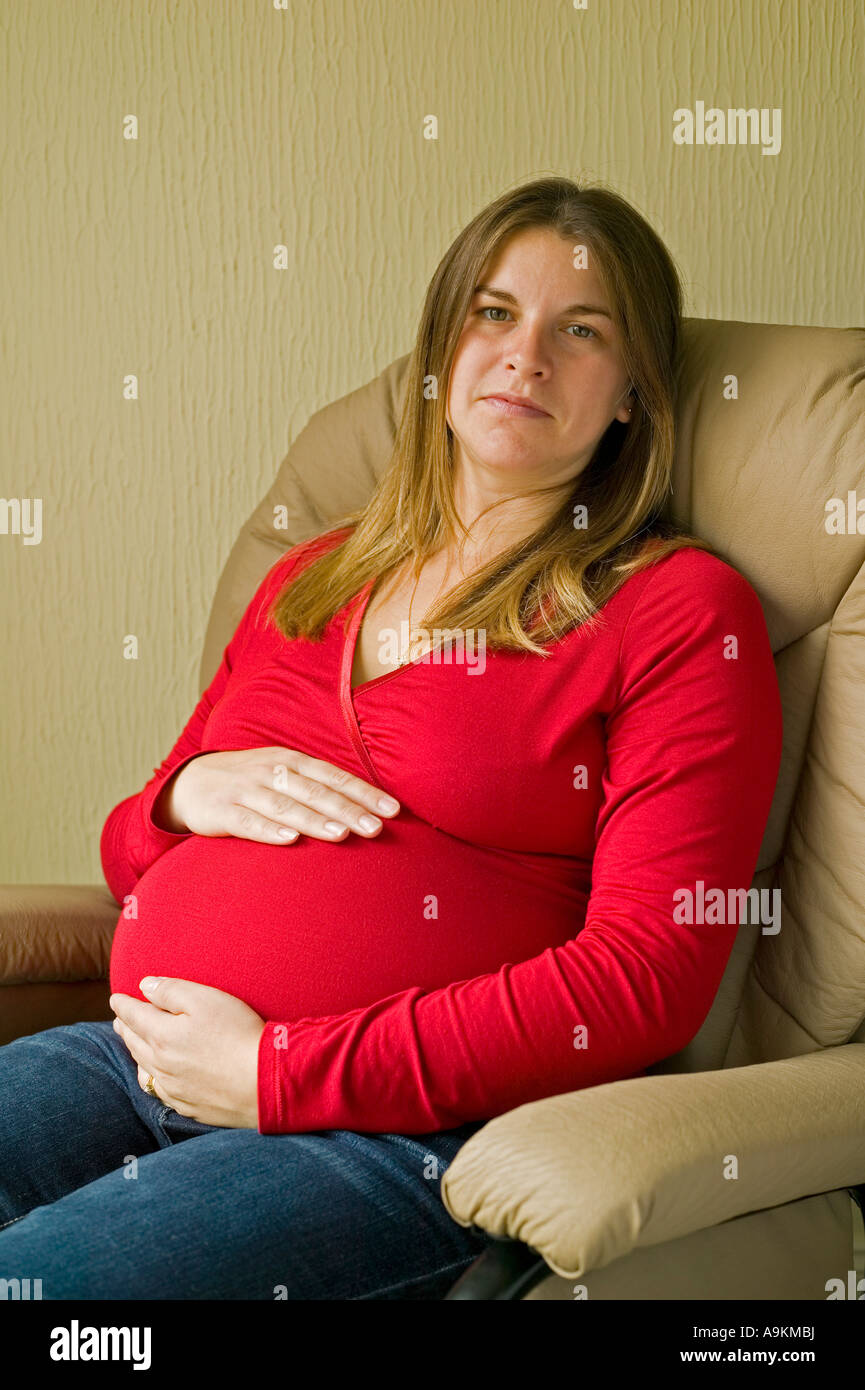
x: 149, y: 1087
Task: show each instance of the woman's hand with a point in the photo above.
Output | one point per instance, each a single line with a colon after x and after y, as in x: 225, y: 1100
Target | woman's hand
x: 270, y: 795
x: 200, y: 1045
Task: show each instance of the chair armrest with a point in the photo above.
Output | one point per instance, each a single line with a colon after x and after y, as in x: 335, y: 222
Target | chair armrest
x: 55, y: 932
x: 589, y: 1176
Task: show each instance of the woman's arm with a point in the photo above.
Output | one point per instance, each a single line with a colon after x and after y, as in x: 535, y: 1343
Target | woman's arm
x: 693, y: 754
x: 134, y: 836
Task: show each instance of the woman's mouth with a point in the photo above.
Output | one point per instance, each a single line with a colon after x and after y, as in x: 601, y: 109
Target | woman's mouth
x: 511, y: 408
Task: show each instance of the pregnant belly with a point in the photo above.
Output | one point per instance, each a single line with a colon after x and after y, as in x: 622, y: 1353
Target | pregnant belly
x: 317, y: 928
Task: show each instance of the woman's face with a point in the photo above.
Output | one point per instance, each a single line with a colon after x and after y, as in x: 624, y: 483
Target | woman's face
x: 528, y: 340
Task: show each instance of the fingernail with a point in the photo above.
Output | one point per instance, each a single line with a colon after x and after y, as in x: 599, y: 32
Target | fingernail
x: 387, y: 803
x: 333, y: 828
x: 369, y: 823
x: 148, y: 984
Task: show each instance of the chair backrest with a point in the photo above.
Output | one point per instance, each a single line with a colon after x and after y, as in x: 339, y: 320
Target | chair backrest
x: 770, y: 429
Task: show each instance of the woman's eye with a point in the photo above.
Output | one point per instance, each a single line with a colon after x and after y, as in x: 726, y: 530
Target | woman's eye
x: 497, y: 309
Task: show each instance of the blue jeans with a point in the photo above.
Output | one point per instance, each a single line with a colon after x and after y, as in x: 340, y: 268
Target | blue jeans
x: 106, y: 1192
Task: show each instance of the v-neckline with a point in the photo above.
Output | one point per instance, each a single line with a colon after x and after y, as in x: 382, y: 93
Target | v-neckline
x: 347, y: 692
x: 350, y: 647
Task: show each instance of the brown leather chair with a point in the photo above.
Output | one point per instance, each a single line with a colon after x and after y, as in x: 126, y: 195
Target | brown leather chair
x: 626, y: 1190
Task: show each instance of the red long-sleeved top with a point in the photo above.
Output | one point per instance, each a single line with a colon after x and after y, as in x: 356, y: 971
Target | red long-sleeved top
x: 516, y: 930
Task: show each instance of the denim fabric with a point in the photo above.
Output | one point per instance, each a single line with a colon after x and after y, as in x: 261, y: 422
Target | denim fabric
x: 106, y: 1192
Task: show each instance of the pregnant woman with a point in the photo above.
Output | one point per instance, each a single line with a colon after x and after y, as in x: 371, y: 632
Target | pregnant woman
x: 425, y: 850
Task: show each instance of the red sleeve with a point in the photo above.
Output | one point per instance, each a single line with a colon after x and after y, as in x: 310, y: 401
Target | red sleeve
x: 131, y: 839
x: 693, y: 754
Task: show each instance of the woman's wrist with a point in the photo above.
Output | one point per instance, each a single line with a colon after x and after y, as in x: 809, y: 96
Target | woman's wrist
x: 163, y: 812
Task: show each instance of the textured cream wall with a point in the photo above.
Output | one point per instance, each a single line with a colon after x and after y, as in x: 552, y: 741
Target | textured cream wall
x: 303, y: 125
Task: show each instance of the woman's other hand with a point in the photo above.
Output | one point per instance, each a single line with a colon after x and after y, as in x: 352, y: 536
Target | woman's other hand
x: 199, y: 1044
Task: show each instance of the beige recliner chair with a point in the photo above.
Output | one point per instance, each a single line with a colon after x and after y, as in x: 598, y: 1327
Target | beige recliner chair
x: 729, y: 1171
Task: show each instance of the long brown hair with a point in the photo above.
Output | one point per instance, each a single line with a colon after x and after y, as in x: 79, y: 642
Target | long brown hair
x: 559, y: 576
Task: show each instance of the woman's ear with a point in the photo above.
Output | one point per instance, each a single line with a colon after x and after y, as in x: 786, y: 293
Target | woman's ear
x: 626, y: 406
